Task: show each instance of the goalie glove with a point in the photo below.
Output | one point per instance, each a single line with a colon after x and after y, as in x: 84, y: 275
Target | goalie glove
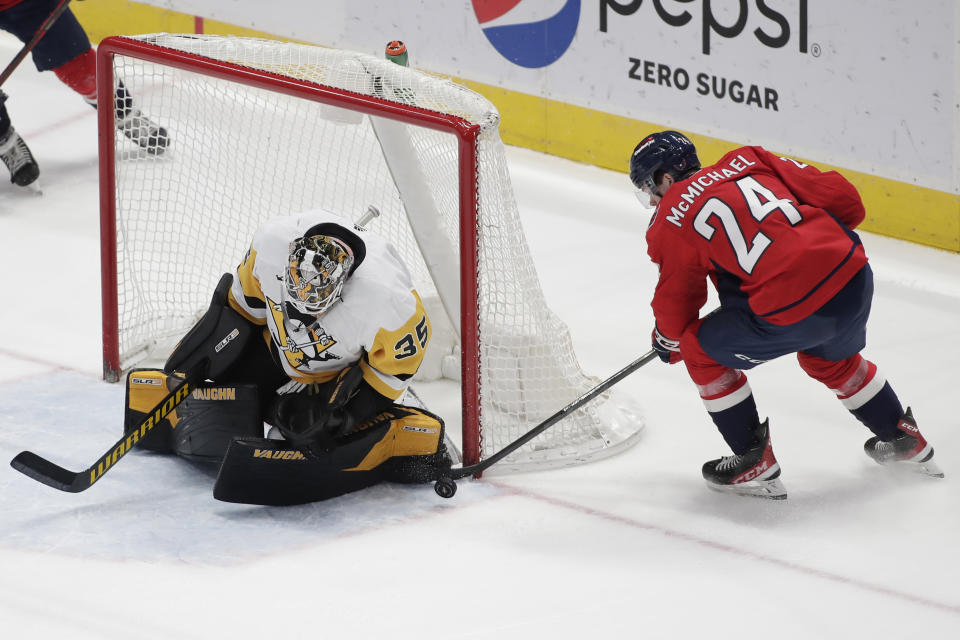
x: 668, y: 350
x: 317, y: 414
x: 300, y: 417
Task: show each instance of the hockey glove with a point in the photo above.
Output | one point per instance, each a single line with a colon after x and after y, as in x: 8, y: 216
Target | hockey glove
x: 317, y: 414
x: 340, y: 420
x: 300, y: 417
x: 668, y: 350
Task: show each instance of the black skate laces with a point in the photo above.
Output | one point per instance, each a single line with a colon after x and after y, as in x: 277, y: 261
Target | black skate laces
x: 14, y: 152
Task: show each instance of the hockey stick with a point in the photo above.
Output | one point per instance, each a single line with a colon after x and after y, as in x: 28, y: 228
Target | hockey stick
x: 53, y: 475
x: 446, y: 486
x: 27, y: 48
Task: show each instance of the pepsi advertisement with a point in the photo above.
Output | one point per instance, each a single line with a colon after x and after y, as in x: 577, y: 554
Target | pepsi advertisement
x: 870, y: 87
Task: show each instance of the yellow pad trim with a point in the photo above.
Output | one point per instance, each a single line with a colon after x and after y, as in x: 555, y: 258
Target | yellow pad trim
x: 416, y: 434
x: 145, y: 389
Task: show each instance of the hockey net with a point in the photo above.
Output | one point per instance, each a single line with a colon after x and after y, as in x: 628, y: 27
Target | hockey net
x: 260, y: 128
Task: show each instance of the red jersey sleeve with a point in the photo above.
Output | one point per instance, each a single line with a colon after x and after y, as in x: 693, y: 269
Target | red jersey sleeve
x: 827, y: 190
x: 682, y: 286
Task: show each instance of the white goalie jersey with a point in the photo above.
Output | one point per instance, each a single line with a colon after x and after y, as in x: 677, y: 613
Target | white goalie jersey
x: 379, y: 323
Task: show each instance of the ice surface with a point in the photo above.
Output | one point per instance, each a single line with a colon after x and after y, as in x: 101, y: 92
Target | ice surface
x: 632, y: 546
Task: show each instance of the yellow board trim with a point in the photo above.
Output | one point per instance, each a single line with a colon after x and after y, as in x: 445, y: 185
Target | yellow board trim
x: 104, y: 18
x: 897, y: 209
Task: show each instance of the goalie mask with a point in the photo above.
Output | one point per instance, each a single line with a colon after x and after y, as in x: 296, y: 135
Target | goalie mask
x: 316, y: 271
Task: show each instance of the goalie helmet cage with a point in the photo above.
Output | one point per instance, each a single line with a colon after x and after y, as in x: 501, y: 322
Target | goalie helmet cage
x: 260, y: 128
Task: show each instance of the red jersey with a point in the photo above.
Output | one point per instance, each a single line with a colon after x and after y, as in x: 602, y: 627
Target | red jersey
x: 779, y: 231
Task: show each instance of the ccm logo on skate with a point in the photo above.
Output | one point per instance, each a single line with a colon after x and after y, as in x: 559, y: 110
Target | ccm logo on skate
x: 230, y: 336
x: 278, y: 455
x: 753, y: 473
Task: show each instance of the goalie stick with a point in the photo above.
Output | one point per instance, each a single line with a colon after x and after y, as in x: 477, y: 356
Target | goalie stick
x: 53, y: 475
x: 446, y: 487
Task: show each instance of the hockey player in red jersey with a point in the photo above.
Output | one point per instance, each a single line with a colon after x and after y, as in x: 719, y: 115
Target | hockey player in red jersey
x: 65, y: 49
x: 776, y: 239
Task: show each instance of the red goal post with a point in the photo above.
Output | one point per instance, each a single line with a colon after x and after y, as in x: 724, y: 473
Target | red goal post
x: 261, y: 128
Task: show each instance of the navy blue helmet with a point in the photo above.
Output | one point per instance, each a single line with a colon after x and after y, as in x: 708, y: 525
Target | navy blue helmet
x: 667, y: 151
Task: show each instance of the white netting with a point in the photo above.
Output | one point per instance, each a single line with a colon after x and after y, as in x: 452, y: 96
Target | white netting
x: 240, y: 154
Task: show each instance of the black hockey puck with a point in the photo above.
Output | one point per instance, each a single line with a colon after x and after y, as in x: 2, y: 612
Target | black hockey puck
x: 445, y: 487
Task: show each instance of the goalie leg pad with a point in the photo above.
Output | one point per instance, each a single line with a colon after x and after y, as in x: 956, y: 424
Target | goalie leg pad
x: 412, y: 450
x: 146, y: 388
x: 211, y: 417
x: 401, y: 444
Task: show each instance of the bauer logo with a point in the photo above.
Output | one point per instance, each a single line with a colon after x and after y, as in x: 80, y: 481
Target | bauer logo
x: 529, y: 33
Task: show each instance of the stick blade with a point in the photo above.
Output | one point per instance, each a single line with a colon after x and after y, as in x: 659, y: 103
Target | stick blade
x: 50, y: 474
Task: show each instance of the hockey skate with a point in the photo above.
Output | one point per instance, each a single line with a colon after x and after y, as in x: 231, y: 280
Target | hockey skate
x: 141, y: 130
x: 908, y: 448
x: 137, y: 127
x: 16, y: 155
x: 754, y: 473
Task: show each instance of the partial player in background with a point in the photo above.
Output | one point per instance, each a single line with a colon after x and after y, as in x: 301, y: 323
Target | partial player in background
x: 775, y: 237
x: 339, y: 330
x: 66, y: 50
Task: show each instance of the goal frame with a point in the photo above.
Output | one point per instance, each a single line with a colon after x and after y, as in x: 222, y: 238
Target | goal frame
x: 467, y: 135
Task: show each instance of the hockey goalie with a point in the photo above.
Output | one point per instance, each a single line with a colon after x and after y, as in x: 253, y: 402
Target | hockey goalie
x: 311, y: 400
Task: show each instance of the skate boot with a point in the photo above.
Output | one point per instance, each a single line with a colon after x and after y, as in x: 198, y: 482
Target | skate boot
x: 143, y: 131
x: 754, y: 473
x: 16, y: 155
x: 136, y: 126
x: 908, y: 448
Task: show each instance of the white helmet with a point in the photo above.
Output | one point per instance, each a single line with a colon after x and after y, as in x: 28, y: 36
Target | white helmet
x: 316, y: 271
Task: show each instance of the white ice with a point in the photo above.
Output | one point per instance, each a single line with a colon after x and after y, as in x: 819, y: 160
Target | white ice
x: 633, y: 546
